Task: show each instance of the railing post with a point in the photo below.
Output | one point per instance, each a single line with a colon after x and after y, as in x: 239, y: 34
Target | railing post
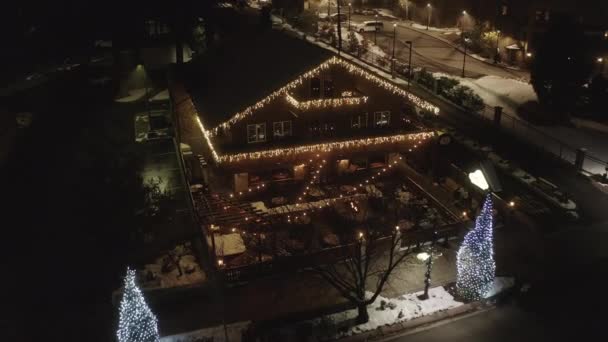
x: 497, y: 115
x: 580, y: 158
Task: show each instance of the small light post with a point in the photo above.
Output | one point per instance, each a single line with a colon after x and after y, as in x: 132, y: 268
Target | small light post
x: 350, y: 6
x: 394, y: 41
x: 409, y: 67
x: 497, y: 51
x: 376, y: 30
x: 429, y: 268
x: 602, y: 62
x: 464, y: 56
x: 428, y: 18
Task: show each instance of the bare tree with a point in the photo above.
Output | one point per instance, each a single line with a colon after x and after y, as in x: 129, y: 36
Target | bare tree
x: 376, y: 253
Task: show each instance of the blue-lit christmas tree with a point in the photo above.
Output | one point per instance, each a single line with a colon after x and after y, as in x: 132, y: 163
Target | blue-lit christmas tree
x: 136, y: 322
x: 475, y: 259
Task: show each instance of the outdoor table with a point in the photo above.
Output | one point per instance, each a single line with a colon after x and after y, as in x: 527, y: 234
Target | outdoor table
x: 331, y: 239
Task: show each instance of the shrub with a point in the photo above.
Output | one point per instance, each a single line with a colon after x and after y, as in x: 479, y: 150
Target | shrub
x: 465, y: 97
x: 445, y: 85
x: 426, y: 79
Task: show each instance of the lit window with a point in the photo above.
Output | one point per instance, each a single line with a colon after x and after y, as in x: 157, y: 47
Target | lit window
x: 281, y: 129
x: 382, y: 119
x: 256, y: 133
x: 358, y: 121
x: 328, y: 88
x: 315, y: 87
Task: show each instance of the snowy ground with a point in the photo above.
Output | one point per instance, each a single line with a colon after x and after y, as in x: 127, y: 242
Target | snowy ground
x: 510, y: 94
x: 134, y: 95
x: 437, y: 29
x: 191, y: 271
x: 163, y: 95
x: 214, y: 334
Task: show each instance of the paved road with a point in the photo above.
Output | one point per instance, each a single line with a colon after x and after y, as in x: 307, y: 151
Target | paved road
x: 431, y: 52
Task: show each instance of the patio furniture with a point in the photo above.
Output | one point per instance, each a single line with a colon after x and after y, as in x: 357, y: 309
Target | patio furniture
x: 331, y: 239
x: 316, y: 192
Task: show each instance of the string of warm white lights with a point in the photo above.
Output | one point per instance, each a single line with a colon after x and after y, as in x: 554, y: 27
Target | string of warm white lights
x: 325, y: 103
x: 325, y: 147
x: 315, y: 72
x: 315, y: 175
x: 475, y: 258
x: 361, y: 185
x: 136, y: 322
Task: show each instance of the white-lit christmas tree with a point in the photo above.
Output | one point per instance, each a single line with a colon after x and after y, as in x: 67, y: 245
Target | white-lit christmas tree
x: 136, y: 323
x: 475, y: 259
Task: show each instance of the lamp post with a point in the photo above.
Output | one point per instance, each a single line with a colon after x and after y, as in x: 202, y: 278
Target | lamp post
x: 464, y: 56
x: 601, y: 61
x: 497, y: 51
x: 375, y: 30
x: 409, y: 67
x: 394, y: 41
x: 428, y: 18
x: 350, y: 5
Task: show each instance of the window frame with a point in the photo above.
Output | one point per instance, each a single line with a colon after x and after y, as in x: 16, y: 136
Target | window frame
x: 282, y: 124
x: 378, y: 115
x: 360, y: 123
x: 256, y: 127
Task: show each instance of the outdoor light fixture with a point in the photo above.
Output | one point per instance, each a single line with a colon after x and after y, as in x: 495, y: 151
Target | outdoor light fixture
x: 600, y: 59
x: 428, y: 5
x: 485, y: 177
x: 423, y: 256
x: 478, y: 179
x: 220, y: 262
x: 464, y: 12
x: 511, y: 204
x: 528, y: 54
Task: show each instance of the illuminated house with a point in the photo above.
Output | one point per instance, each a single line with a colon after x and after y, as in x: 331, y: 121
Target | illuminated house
x: 261, y: 120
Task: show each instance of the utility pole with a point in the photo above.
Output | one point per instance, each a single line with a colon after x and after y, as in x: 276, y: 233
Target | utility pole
x: 350, y: 5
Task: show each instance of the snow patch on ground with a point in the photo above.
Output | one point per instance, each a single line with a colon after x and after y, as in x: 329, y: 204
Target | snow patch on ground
x: 437, y: 29
x: 161, y: 96
x: 386, y: 13
x: 215, y: 334
x: 498, y: 91
x: 409, y: 305
x: 134, y: 95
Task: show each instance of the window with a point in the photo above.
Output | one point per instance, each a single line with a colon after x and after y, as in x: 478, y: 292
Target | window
x: 281, y: 129
x: 328, y: 88
x: 358, y: 121
x: 382, y: 119
x: 256, y: 133
x: 315, y: 87
x: 504, y: 10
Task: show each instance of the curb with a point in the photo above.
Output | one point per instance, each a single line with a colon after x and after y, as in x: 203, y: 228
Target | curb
x: 411, y: 326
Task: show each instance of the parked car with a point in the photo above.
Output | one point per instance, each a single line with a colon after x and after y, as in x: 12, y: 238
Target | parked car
x: 334, y: 17
x: 370, y: 26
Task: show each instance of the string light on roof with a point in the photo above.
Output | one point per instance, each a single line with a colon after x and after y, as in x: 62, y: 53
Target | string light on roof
x: 325, y: 103
x: 315, y: 72
x: 325, y: 147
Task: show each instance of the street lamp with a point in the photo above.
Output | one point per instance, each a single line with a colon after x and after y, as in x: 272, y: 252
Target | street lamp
x: 602, y: 62
x: 464, y: 56
x: 428, y: 19
x: 350, y: 5
x: 375, y: 30
x: 409, y: 71
x: 497, y: 51
x: 394, y: 40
